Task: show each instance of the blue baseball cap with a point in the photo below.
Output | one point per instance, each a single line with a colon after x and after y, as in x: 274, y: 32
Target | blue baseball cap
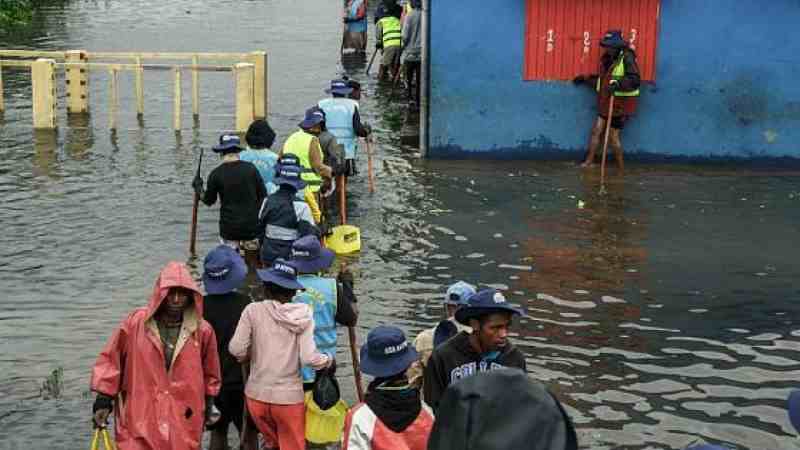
x: 794, y: 409
x: 339, y: 87
x: 228, y: 142
x: 484, y: 302
x: 313, y: 117
x: 458, y: 293
x: 282, y: 273
x: 613, y: 39
x: 387, y: 352
x: 308, y: 255
x: 290, y: 175
x: 223, y: 270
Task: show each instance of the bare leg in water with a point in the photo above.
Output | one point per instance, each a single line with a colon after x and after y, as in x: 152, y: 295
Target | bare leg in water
x: 595, y: 141
x: 616, y: 146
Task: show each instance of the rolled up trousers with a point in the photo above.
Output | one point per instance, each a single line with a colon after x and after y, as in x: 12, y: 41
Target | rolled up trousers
x: 283, y: 426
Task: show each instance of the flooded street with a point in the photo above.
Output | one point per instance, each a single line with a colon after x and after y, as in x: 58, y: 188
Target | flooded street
x: 662, y: 313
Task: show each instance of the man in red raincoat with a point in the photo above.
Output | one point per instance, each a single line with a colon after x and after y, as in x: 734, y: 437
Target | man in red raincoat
x: 159, y: 370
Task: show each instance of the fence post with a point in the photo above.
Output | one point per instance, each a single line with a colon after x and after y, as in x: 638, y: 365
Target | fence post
x: 195, y: 88
x: 2, y: 100
x: 260, y: 78
x: 139, y: 82
x: 243, y: 75
x: 112, y: 99
x: 77, y: 81
x: 176, y: 119
x: 43, y: 80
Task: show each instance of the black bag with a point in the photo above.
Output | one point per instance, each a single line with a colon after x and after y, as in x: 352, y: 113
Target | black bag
x: 326, y: 389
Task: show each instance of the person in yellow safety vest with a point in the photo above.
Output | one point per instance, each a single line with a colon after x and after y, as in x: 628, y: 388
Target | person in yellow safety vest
x: 389, y: 36
x: 618, y: 76
x: 305, y: 145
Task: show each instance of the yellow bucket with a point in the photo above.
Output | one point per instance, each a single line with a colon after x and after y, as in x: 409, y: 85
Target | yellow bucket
x: 324, y: 427
x: 345, y: 239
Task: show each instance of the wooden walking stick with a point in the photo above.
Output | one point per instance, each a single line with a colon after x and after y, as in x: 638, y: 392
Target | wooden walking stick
x: 605, y: 145
x: 369, y: 166
x: 342, y: 181
x: 245, y: 439
x: 351, y: 331
x: 193, y: 232
x: 371, y: 60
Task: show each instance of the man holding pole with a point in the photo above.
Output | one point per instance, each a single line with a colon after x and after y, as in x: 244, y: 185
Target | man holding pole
x: 617, y: 85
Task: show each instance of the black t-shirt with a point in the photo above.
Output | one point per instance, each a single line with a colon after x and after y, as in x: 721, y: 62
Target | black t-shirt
x: 223, y: 312
x: 456, y: 359
x: 241, y: 192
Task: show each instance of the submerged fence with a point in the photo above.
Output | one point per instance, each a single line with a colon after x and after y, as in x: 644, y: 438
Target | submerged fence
x: 249, y: 73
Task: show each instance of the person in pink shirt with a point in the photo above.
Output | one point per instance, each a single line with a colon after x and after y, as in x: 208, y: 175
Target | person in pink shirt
x: 276, y: 336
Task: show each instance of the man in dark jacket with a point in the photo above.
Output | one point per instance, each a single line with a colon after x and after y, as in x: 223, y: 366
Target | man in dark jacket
x: 224, y: 272
x: 501, y: 410
x: 392, y: 415
x: 240, y: 190
x: 465, y: 354
x: 618, y: 77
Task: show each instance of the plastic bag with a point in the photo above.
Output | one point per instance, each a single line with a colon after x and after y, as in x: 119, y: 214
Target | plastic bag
x: 326, y: 389
x: 108, y: 443
x: 324, y: 427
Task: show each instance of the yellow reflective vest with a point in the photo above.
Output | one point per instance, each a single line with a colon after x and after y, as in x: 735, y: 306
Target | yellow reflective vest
x: 392, y: 31
x: 617, y: 73
x: 299, y: 144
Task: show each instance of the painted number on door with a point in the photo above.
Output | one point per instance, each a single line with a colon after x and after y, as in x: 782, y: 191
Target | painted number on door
x: 587, y: 43
x: 634, y: 35
x: 551, y: 40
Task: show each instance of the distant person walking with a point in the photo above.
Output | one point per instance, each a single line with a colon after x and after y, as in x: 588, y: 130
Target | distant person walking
x: 617, y: 78
x: 412, y: 49
x: 355, y: 26
x: 389, y: 39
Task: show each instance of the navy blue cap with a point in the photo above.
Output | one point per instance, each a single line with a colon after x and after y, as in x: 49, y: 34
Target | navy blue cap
x: 613, y: 39
x: 224, y: 270
x: 339, y: 87
x: 228, y: 142
x: 309, y: 256
x: 486, y: 301
x: 282, y: 273
x: 387, y: 352
x: 290, y: 175
x: 794, y: 409
x: 313, y: 117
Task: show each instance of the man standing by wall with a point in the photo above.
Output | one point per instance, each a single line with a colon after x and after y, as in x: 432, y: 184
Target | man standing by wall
x: 618, y: 77
x: 412, y: 48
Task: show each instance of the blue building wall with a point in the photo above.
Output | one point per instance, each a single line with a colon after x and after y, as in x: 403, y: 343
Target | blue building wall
x: 727, y: 85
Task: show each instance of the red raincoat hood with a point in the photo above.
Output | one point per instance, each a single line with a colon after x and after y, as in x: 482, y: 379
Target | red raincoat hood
x: 174, y: 274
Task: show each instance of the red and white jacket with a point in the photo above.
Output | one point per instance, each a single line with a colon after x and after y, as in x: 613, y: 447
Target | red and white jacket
x: 364, y: 431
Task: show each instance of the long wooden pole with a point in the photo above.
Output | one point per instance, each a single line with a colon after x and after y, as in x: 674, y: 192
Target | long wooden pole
x: 370, y: 171
x: 193, y: 232
x: 351, y: 331
x: 342, y: 181
x: 371, y: 60
x: 245, y: 437
x: 605, y: 145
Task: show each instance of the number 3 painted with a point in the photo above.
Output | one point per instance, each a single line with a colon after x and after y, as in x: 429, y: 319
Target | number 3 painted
x: 634, y: 34
x: 551, y: 39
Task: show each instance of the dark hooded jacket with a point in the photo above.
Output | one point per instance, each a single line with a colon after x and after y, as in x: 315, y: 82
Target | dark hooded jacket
x: 456, y: 359
x: 501, y: 410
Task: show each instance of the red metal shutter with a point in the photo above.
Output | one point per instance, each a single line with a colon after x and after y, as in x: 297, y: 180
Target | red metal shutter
x: 562, y: 37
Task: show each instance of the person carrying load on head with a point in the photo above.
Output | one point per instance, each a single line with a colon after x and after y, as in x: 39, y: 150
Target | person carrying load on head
x: 455, y: 297
x: 260, y: 137
x: 284, y: 218
x: 486, y: 348
x: 343, y: 120
x: 160, y: 370
x: 241, y: 191
x: 277, y: 337
x: 618, y: 78
x: 389, y: 35
x: 224, y: 272
x: 332, y: 300
x: 392, y: 415
x: 355, y: 25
